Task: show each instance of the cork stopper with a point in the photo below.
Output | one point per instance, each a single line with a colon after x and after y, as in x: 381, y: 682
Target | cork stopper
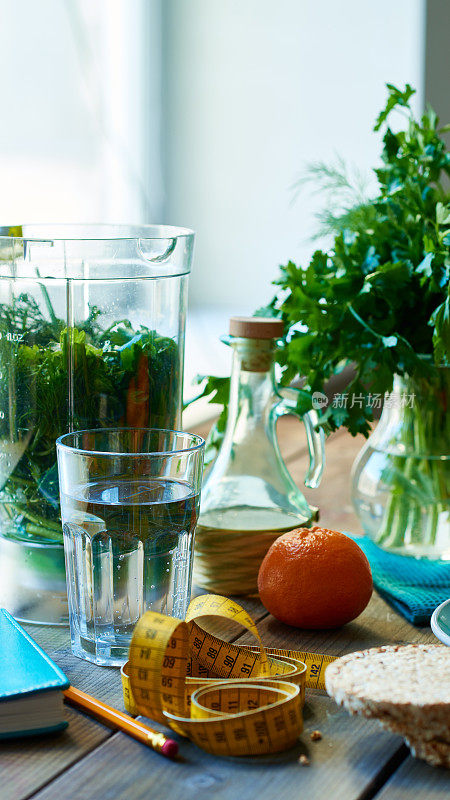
x: 256, y: 327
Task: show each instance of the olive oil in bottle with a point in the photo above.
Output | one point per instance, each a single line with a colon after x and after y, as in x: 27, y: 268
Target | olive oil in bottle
x: 249, y: 497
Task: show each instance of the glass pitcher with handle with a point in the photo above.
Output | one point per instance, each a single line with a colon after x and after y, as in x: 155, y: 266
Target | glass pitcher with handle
x: 249, y: 497
x: 92, y: 322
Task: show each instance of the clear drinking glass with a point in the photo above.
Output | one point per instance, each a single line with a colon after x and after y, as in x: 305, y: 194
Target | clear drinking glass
x: 129, y: 505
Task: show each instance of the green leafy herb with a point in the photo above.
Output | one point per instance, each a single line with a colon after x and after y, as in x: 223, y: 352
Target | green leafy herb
x: 379, y: 297
x: 57, y: 378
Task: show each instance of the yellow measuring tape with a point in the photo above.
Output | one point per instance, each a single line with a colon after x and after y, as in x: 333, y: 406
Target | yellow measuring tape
x: 228, y: 699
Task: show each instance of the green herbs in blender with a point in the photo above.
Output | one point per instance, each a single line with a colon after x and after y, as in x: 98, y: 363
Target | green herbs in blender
x: 56, y: 378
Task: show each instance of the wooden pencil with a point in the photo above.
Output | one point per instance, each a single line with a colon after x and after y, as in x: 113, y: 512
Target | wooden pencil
x: 120, y: 721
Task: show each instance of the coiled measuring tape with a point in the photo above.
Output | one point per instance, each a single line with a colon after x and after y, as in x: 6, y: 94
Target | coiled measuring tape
x: 228, y: 699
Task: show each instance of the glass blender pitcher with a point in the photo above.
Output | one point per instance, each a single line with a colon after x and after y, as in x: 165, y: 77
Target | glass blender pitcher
x: 249, y: 497
x: 92, y: 323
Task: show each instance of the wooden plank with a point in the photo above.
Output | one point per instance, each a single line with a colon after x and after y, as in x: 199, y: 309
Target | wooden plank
x: 369, y: 750
x: 352, y: 761
x: 345, y: 764
x: 29, y: 763
x: 83, y: 674
x: 417, y: 780
x: 124, y: 769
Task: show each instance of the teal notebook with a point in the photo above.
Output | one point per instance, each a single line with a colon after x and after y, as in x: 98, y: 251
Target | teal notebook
x: 31, y: 685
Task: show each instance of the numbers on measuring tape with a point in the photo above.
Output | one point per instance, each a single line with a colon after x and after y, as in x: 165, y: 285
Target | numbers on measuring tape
x: 213, y: 691
x: 279, y: 723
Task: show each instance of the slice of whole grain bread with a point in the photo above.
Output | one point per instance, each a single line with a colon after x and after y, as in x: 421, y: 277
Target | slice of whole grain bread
x: 406, y: 688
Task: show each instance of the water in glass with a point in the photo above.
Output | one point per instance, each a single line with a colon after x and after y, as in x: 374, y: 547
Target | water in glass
x: 128, y: 546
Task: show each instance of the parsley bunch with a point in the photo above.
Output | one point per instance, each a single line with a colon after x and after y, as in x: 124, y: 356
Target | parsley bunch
x: 379, y: 298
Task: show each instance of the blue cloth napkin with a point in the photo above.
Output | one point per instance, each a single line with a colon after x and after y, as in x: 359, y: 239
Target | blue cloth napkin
x: 413, y: 586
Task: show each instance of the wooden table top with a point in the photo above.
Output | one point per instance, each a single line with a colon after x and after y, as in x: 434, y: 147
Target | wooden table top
x: 355, y: 760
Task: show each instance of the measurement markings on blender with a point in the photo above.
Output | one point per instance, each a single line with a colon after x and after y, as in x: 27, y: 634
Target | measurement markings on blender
x: 12, y: 337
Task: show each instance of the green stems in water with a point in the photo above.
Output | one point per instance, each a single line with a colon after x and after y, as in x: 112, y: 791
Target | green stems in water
x: 33, y: 524
x: 417, y: 469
